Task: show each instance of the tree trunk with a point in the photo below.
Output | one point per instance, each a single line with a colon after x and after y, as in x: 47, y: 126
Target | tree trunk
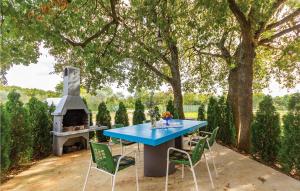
x: 240, y: 92
x: 178, y: 98
x: 233, y: 96
x: 176, y: 79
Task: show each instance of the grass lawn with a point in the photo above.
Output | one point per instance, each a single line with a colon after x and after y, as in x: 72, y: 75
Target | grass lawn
x: 191, y: 115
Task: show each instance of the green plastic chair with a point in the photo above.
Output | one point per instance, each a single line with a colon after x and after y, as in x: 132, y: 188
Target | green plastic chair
x: 123, y: 143
x: 188, y: 158
x: 210, y: 142
x: 105, y: 162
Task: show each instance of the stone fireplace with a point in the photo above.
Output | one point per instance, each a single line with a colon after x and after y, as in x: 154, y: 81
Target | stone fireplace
x: 71, y: 117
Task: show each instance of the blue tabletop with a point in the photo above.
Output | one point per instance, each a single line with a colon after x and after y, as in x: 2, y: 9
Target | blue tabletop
x: 144, y: 133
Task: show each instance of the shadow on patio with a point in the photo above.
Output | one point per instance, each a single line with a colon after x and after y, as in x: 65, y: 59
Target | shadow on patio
x: 236, y: 172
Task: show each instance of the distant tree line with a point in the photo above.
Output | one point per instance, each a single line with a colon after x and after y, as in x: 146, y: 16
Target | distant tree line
x: 112, y: 99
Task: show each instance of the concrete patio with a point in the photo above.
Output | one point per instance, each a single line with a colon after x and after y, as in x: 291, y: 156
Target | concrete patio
x: 236, y: 172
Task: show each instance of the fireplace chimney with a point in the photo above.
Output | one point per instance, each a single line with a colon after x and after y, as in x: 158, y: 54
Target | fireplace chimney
x: 71, y: 81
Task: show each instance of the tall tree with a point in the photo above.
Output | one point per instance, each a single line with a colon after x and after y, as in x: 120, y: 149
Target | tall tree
x: 254, y: 41
x: 143, y: 43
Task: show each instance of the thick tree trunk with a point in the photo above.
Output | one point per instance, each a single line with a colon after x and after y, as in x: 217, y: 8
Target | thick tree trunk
x: 176, y: 79
x: 178, y: 98
x: 233, y: 96
x: 240, y: 92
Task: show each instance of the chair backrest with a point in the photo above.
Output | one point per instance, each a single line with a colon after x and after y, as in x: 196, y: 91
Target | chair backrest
x: 102, y: 156
x: 198, y: 150
x: 114, y: 140
x: 213, y: 136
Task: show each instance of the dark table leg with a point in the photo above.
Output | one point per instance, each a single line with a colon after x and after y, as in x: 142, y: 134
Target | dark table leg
x: 178, y: 142
x: 155, y: 160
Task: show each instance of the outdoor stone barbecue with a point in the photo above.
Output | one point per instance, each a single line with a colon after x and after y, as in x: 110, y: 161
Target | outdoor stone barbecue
x: 71, y: 117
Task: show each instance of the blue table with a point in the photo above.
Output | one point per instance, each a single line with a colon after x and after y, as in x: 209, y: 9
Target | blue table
x: 156, y: 142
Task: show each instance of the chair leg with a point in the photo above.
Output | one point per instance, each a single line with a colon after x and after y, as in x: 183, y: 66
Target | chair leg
x: 121, y: 146
x: 113, y: 183
x: 210, y: 152
x: 182, y: 171
x: 136, y: 174
x: 194, y: 176
x: 190, y: 143
x: 167, y: 174
x: 212, y: 183
x: 87, y: 175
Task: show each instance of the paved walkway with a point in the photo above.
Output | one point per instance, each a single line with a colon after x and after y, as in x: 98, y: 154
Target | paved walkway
x: 67, y: 173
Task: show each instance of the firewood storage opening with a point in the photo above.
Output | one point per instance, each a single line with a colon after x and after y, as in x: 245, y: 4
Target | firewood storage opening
x: 74, y: 144
x: 75, y: 119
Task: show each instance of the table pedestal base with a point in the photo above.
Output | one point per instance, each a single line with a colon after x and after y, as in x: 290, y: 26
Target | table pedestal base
x: 155, y: 160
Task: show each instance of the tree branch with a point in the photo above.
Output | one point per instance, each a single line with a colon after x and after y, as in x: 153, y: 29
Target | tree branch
x: 284, y: 20
x: 89, y: 39
x: 225, y: 52
x: 155, y: 70
x: 239, y: 15
x: 210, y: 54
x: 277, y: 35
x: 110, y: 41
x: 262, y: 27
x: 101, y: 31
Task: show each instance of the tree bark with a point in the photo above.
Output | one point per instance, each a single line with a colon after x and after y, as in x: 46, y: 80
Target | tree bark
x: 176, y: 79
x: 178, y: 98
x: 233, y: 96
x: 240, y: 92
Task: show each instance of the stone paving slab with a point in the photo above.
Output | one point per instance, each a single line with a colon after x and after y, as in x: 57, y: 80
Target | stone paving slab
x: 236, y: 173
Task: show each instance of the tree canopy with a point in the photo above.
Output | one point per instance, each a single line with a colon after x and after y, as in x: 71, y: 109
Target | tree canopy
x: 193, y: 46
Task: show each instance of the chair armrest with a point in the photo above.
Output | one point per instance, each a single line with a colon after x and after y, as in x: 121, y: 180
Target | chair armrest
x: 178, y: 150
x: 199, y: 138
x: 126, y: 154
x: 181, y: 151
x: 205, y: 132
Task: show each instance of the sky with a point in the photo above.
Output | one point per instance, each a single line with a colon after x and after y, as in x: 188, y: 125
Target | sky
x: 40, y: 76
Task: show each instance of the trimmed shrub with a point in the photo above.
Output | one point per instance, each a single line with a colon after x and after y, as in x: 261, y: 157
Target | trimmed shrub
x: 5, y: 139
x: 40, y: 125
x: 170, y: 107
x: 91, y: 133
x: 20, y: 132
x: 265, y: 131
x: 201, y: 112
x: 138, y: 114
x: 102, y: 118
x: 212, y: 114
x: 157, y: 113
x: 121, y: 115
x: 290, y: 151
x: 225, y: 122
